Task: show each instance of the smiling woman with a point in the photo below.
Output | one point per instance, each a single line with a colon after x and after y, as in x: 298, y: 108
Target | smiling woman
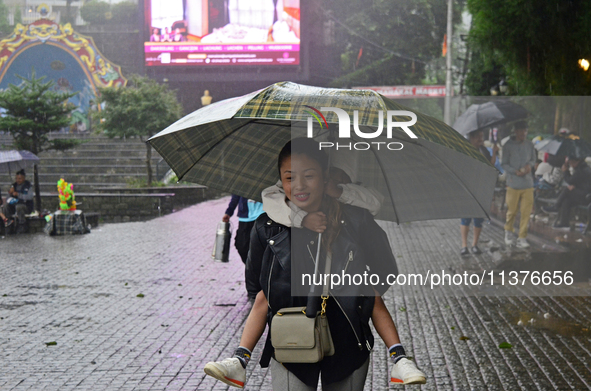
x: 352, y: 242
x: 303, y: 179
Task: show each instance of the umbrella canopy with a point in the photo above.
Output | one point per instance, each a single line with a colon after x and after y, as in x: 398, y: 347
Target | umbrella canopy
x: 570, y: 146
x: 233, y: 145
x: 488, y: 114
x: 13, y: 161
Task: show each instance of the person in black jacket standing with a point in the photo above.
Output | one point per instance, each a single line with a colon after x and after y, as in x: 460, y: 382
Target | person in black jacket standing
x: 575, y: 193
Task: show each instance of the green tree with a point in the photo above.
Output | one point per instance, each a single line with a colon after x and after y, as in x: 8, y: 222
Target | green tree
x: 124, y: 12
x: 539, y: 43
x: 32, y: 110
x: 95, y: 12
x: 5, y: 28
x: 397, y: 38
x: 140, y: 110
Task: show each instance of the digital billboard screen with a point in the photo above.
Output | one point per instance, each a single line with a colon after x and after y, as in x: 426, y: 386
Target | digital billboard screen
x: 222, y: 32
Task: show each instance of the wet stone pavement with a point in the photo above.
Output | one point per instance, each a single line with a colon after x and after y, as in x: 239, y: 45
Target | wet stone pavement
x: 141, y: 306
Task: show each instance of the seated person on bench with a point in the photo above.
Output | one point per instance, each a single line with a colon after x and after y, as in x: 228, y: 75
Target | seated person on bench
x: 22, y: 192
x: 3, y: 218
x: 579, y: 185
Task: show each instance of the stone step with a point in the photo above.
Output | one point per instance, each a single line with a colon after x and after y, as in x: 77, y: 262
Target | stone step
x: 88, y: 160
x: 99, y: 151
x: 88, y: 187
x: 85, y: 142
x: 81, y: 178
x: 95, y: 169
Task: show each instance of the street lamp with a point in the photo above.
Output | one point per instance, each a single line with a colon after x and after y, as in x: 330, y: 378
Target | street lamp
x: 494, y: 90
x: 583, y: 63
x: 500, y: 88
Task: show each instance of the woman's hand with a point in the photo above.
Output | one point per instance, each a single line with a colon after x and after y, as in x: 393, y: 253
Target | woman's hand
x: 315, y: 221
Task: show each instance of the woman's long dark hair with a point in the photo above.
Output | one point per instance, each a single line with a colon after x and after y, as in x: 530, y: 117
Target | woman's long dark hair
x: 330, y: 206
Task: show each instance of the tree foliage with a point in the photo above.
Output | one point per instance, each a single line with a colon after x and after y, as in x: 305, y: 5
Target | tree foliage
x: 538, y: 43
x: 140, y: 110
x: 32, y: 110
x: 397, y: 38
x: 5, y: 28
x: 101, y: 12
x: 95, y: 12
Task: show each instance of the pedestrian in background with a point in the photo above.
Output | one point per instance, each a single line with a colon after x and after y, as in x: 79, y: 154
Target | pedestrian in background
x: 248, y: 212
x: 519, y: 158
x: 575, y: 193
x: 20, y: 201
x: 476, y: 138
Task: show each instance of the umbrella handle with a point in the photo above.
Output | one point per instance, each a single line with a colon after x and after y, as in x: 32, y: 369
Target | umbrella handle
x: 317, y: 258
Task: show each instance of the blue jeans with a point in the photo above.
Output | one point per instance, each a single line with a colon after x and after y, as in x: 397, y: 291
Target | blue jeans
x: 477, y: 222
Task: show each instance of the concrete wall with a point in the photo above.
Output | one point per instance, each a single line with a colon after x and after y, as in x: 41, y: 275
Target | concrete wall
x: 135, y: 204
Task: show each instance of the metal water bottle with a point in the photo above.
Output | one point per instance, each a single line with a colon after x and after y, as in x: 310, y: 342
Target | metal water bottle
x: 221, y: 247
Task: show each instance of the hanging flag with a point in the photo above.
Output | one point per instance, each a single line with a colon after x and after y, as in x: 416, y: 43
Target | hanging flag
x: 359, y: 56
x: 444, y: 48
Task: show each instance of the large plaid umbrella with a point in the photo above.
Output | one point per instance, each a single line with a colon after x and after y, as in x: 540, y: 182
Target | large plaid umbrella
x: 233, y: 145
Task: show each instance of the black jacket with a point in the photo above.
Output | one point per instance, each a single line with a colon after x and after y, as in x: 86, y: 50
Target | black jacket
x: 24, y: 198
x: 242, y: 204
x: 361, y: 246
x: 581, y: 177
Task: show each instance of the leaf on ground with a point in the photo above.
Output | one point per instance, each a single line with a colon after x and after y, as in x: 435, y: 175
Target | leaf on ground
x: 44, y: 260
x: 180, y: 284
x: 505, y: 345
x: 125, y: 284
x: 52, y: 343
x: 402, y: 309
x: 464, y: 338
x: 140, y: 295
x: 453, y: 327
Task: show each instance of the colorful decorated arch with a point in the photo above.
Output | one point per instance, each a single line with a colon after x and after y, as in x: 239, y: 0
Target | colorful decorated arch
x: 59, y: 53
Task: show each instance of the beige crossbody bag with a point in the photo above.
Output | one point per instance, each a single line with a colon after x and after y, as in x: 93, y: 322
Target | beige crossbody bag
x: 299, y: 339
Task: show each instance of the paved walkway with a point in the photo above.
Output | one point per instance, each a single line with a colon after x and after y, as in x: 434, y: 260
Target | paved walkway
x: 82, y: 293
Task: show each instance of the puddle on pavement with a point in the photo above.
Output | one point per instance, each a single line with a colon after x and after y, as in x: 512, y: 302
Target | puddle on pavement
x: 577, y: 262
x: 548, y: 322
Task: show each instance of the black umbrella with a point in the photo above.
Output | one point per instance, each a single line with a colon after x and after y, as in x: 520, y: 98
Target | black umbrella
x: 570, y: 146
x: 488, y: 114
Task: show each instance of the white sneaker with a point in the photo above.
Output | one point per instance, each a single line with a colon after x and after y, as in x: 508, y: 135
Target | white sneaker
x: 522, y: 243
x: 229, y: 371
x: 406, y: 372
x: 509, y: 239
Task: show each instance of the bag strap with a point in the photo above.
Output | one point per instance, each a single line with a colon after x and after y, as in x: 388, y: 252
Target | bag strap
x: 324, y: 296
